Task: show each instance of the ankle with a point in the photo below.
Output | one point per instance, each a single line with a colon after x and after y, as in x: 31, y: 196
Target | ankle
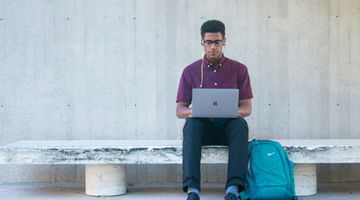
x: 233, y: 189
x: 194, y: 190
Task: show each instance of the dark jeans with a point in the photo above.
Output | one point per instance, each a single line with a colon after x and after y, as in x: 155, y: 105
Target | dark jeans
x: 200, y: 131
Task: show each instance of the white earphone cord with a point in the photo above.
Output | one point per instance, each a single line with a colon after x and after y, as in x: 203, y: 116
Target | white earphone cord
x: 202, y: 72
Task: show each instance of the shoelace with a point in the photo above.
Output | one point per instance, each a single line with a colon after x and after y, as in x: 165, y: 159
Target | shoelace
x: 230, y: 196
x: 192, y: 196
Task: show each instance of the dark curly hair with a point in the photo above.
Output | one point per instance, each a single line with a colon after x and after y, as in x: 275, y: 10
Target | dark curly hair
x: 212, y: 26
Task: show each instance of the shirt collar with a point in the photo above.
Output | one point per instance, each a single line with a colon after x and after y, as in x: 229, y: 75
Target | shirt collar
x: 216, y: 65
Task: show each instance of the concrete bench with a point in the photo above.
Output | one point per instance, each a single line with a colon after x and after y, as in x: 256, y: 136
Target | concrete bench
x: 106, y: 160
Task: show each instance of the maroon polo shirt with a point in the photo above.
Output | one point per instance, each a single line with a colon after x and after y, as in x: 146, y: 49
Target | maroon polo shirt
x: 226, y: 73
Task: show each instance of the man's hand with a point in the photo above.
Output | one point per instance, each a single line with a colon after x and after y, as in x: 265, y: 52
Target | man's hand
x: 183, y: 110
x: 244, y: 108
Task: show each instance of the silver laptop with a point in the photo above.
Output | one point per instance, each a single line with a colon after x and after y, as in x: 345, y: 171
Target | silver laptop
x: 215, y: 103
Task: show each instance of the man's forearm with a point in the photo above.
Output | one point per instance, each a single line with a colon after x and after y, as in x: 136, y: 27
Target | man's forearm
x: 244, y: 109
x: 183, y: 111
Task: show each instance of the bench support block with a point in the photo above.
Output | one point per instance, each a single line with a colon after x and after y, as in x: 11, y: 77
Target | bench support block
x: 105, y: 179
x: 305, y: 179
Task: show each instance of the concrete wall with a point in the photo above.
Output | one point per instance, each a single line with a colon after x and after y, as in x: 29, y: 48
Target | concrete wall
x: 90, y: 69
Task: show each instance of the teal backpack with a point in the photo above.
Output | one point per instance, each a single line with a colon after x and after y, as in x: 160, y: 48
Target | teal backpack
x: 270, y: 173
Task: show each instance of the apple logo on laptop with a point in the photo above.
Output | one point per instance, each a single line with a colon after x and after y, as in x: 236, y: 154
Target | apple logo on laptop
x: 215, y: 103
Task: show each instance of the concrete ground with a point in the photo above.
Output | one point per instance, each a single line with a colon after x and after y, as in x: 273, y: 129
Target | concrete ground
x: 75, y: 191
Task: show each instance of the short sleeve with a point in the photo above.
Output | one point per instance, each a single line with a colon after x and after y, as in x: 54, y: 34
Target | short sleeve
x: 184, y: 93
x: 244, y: 85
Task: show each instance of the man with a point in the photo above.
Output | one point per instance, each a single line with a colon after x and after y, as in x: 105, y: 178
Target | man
x: 218, y: 72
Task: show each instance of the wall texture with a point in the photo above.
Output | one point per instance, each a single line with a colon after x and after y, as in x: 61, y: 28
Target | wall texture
x: 91, y: 69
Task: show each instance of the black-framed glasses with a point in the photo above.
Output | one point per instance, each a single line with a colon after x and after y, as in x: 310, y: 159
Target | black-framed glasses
x: 210, y: 42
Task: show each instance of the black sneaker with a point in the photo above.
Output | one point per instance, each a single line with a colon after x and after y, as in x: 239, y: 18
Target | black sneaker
x: 192, y: 196
x: 231, y: 196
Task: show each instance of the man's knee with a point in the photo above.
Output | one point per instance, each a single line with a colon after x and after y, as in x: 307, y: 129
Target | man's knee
x: 193, y: 127
x: 194, y: 123
x: 239, y: 123
x: 238, y: 126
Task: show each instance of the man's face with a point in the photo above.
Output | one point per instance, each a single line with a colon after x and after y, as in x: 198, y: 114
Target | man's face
x: 213, y: 44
